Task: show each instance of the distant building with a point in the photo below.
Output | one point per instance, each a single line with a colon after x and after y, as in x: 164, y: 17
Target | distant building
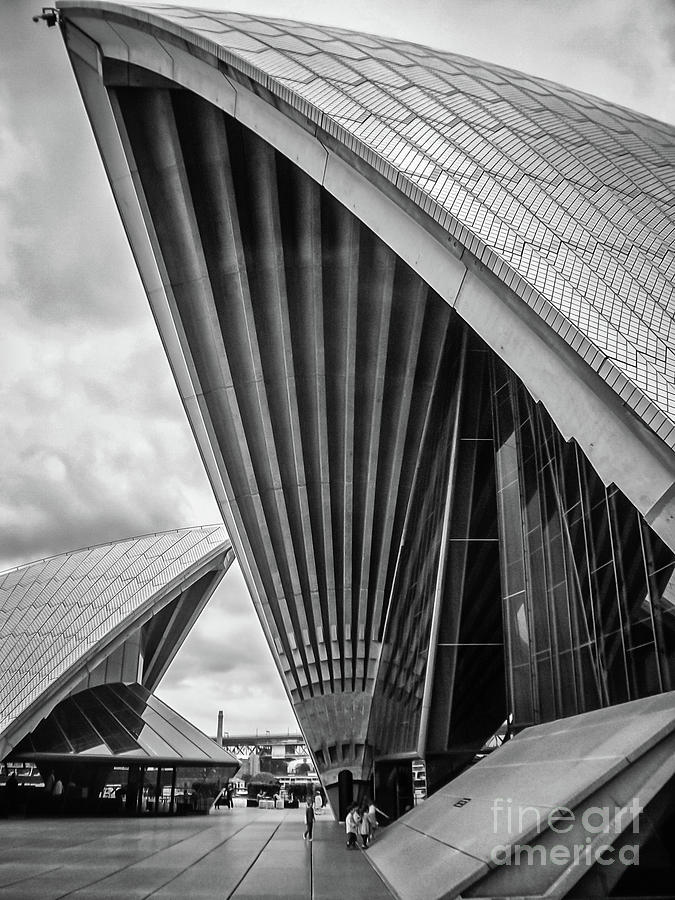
x: 252, y: 765
x: 278, y: 754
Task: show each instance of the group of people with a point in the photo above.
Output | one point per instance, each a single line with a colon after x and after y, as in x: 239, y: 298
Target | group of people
x: 54, y: 786
x: 225, y: 797
x: 361, y: 821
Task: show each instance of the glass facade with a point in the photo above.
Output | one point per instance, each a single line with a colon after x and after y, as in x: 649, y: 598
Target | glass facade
x: 445, y: 630
x: 124, y: 722
x: 466, y: 698
x: 587, y: 585
x: 544, y: 594
x: 400, y: 686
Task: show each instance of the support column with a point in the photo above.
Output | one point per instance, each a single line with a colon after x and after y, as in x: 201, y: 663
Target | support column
x: 173, y: 791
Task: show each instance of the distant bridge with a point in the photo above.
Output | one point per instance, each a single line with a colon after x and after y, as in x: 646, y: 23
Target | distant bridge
x: 242, y: 745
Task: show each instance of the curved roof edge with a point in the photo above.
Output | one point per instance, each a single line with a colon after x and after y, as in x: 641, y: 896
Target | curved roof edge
x: 88, y: 547
x: 585, y: 393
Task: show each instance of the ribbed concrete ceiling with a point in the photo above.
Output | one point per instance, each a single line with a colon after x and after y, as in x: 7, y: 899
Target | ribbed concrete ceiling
x: 318, y: 404
x: 328, y: 371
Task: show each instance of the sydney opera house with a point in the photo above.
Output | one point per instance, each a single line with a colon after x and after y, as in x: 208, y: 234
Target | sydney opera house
x: 420, y: 312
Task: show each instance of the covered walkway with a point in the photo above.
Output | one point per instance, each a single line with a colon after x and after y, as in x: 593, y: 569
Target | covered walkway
x: 240, y: 854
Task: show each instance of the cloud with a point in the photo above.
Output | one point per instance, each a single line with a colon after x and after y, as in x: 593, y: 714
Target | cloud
x: 94, y: 441
x: 225, y: 663
x: 14, y: 167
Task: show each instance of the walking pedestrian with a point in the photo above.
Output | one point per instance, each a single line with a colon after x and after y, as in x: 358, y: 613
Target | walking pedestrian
x: 372, y: 818
x: 58, y: 796
x: 309, y: 819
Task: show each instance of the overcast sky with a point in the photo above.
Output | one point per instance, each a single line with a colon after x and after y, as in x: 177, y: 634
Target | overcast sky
x: 94, y: 444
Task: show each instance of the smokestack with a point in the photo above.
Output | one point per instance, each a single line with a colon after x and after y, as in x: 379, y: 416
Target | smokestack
x: 219, y: 735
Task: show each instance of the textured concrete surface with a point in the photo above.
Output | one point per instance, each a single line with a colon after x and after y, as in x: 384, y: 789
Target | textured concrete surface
x: 506, y: 799
x: 241, y: 854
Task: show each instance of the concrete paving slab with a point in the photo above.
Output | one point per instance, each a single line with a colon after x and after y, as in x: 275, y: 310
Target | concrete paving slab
x: 212, y: 877
x: 220, y: 872
x: 242, y: 854
x: 338, y: 872
x: 133, y: 884
x: 11, y: 872
x: 16, y: 873
x: 54, y: 884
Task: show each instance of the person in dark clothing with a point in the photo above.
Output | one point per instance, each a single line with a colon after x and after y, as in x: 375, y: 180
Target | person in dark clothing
x: 309, y: 820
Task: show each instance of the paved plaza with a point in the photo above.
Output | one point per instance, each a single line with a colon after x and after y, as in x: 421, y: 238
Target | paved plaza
x: 239, y: 854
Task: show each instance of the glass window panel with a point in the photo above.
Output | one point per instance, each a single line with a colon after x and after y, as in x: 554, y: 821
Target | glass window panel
x: 115, y: 736
x: 81, y: 733
x: 49, y: 738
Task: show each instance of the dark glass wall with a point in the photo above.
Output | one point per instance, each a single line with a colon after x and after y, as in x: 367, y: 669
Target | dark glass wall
x: 467, y: 701
x: 524, y: 587
x: 589, y: 619
x: 440, y: 690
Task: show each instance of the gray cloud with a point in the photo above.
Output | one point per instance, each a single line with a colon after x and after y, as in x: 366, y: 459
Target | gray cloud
x: 94, y: 441
x: 226, y: 664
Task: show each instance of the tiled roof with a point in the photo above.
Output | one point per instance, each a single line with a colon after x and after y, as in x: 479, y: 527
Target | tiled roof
x: 55, y: 611
x: 566, y: 197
